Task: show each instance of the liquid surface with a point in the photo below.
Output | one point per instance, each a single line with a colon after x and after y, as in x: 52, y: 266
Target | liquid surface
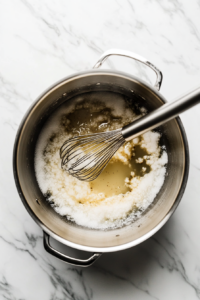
x: 125, y: 188
x: 111, y: 180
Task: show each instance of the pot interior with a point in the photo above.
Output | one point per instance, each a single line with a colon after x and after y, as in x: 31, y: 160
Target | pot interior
x: 71, y: 234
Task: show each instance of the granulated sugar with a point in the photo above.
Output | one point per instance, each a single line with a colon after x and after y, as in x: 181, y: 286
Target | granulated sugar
x: 126, y: 187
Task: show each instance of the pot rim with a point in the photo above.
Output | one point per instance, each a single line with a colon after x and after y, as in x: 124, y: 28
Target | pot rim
x: 89, y: 248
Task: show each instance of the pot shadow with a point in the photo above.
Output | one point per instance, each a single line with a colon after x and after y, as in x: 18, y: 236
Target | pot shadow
x: 131, y: 269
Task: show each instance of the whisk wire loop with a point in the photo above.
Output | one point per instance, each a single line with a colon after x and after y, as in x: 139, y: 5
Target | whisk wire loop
x: 85, y: 157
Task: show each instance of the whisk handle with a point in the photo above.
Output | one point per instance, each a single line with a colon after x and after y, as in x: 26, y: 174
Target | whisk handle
x: 161, y: 115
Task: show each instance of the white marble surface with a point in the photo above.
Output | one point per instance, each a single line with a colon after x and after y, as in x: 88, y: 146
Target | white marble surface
x: 44, y: 41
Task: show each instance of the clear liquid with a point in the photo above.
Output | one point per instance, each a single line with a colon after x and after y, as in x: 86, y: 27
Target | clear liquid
x: 112, y: 180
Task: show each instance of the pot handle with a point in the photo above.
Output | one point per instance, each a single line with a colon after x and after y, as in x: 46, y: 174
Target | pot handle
x: 72, y: 261
x: 132, y: 55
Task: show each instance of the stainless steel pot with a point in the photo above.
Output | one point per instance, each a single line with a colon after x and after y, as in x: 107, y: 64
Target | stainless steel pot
x: 52, y: 224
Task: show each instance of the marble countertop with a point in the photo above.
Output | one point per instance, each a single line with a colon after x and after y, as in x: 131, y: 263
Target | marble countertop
x: 44, y: 41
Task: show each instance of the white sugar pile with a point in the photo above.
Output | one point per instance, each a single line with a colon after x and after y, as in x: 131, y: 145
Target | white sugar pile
x: 76, y: 199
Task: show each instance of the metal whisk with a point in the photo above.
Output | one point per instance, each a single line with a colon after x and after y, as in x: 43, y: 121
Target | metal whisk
x: 85, y: 156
